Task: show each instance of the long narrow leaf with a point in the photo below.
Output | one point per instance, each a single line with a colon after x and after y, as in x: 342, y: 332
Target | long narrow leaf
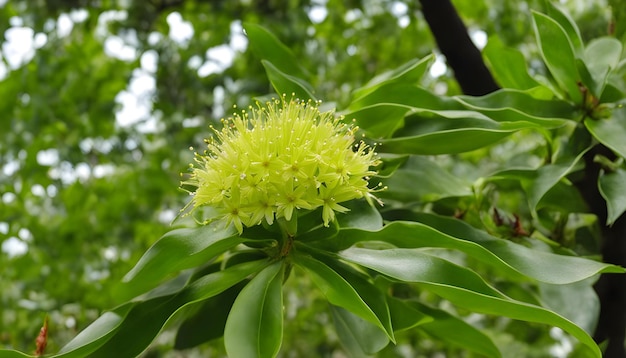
x: 460, y: 286
x: 338, y: 291
x: 613, y: 189
x: 611, y: 131
x: 130, y: 328
x: 408, y: 73
x: 558, y: 54
x: 371, y: 295
x: 514, y: 259
x: 268, y: 47
x: 254, y: 327
x: 455, y: 331
x: 508, y: 65
x: 177, y: 250
x: 284, y: 83
x: 359, y: 337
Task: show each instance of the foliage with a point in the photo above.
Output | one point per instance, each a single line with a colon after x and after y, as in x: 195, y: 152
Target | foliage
x: 499, y: 238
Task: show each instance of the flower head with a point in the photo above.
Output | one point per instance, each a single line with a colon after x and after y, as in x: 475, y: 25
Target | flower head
x: 280, y: 157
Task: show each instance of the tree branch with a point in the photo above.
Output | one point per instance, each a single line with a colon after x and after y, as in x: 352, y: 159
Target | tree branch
x: 455, y: 44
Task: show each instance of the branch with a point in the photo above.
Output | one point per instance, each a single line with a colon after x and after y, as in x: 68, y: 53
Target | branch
x: 455, y: 44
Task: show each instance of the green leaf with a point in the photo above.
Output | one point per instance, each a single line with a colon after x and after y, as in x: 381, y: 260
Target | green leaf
x: 612, y: 186
x: 8, y: 353
x: 371, y: 295
x: 362, y: 215
x: 287, y: 84
x: 567, y: 23
x: 130, y: 328
x: 558, y: 54
x: 379, y: 120
x: 268, y: 47
x: 178, y: 250
x: 508, y: 65
x: 407, y: 95
x: 409, y: 73
x: 445, y: 132
x: 541, y: 266
x: 538, y: 182
x: 434, y: 182
x: 254, y: 327
x: 357, y: 335
x: 577, y: 301
x: 460, y: 286
x: 140, y: 326
x: 507, y: 105
x: 511, y: 258
x: 96, y: 334
x: 207, y: 322
x: 601, y: 57
x: 455, y: 331
x: 337, y: 290
x: 413, y: 265
x: 564, y: 197
x: 610, y: 131
x: 405, y: 317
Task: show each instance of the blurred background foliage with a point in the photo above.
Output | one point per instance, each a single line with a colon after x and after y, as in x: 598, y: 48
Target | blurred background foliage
x: 101, y: 101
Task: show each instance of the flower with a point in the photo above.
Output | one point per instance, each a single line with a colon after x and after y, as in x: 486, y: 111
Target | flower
x: 272, y: 160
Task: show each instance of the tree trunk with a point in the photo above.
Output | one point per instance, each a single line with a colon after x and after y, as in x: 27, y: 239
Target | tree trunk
x: 611, y: 288
x: 455, y: 44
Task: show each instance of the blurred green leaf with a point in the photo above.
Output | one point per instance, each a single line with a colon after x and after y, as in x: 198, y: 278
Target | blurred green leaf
x: 610, y: 131
x: 508, y: 65
x: 254, y: 327
x: 561, y: 16
x: 270, y: 49
x: 288, y: 84
x: 537, y: 182
x: 558, y: 54
x: 601, y: 56
x: 7, y: 353
x: 612, y: 186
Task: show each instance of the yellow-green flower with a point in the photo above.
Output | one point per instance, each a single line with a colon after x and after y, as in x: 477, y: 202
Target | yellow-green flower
x: 280, y: 157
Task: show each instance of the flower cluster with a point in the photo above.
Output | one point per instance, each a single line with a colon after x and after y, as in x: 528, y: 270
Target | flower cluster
x: 271, y: 160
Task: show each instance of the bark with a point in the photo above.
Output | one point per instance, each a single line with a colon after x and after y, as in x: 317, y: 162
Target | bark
x: 611, y: 288
x: 455, y: 44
